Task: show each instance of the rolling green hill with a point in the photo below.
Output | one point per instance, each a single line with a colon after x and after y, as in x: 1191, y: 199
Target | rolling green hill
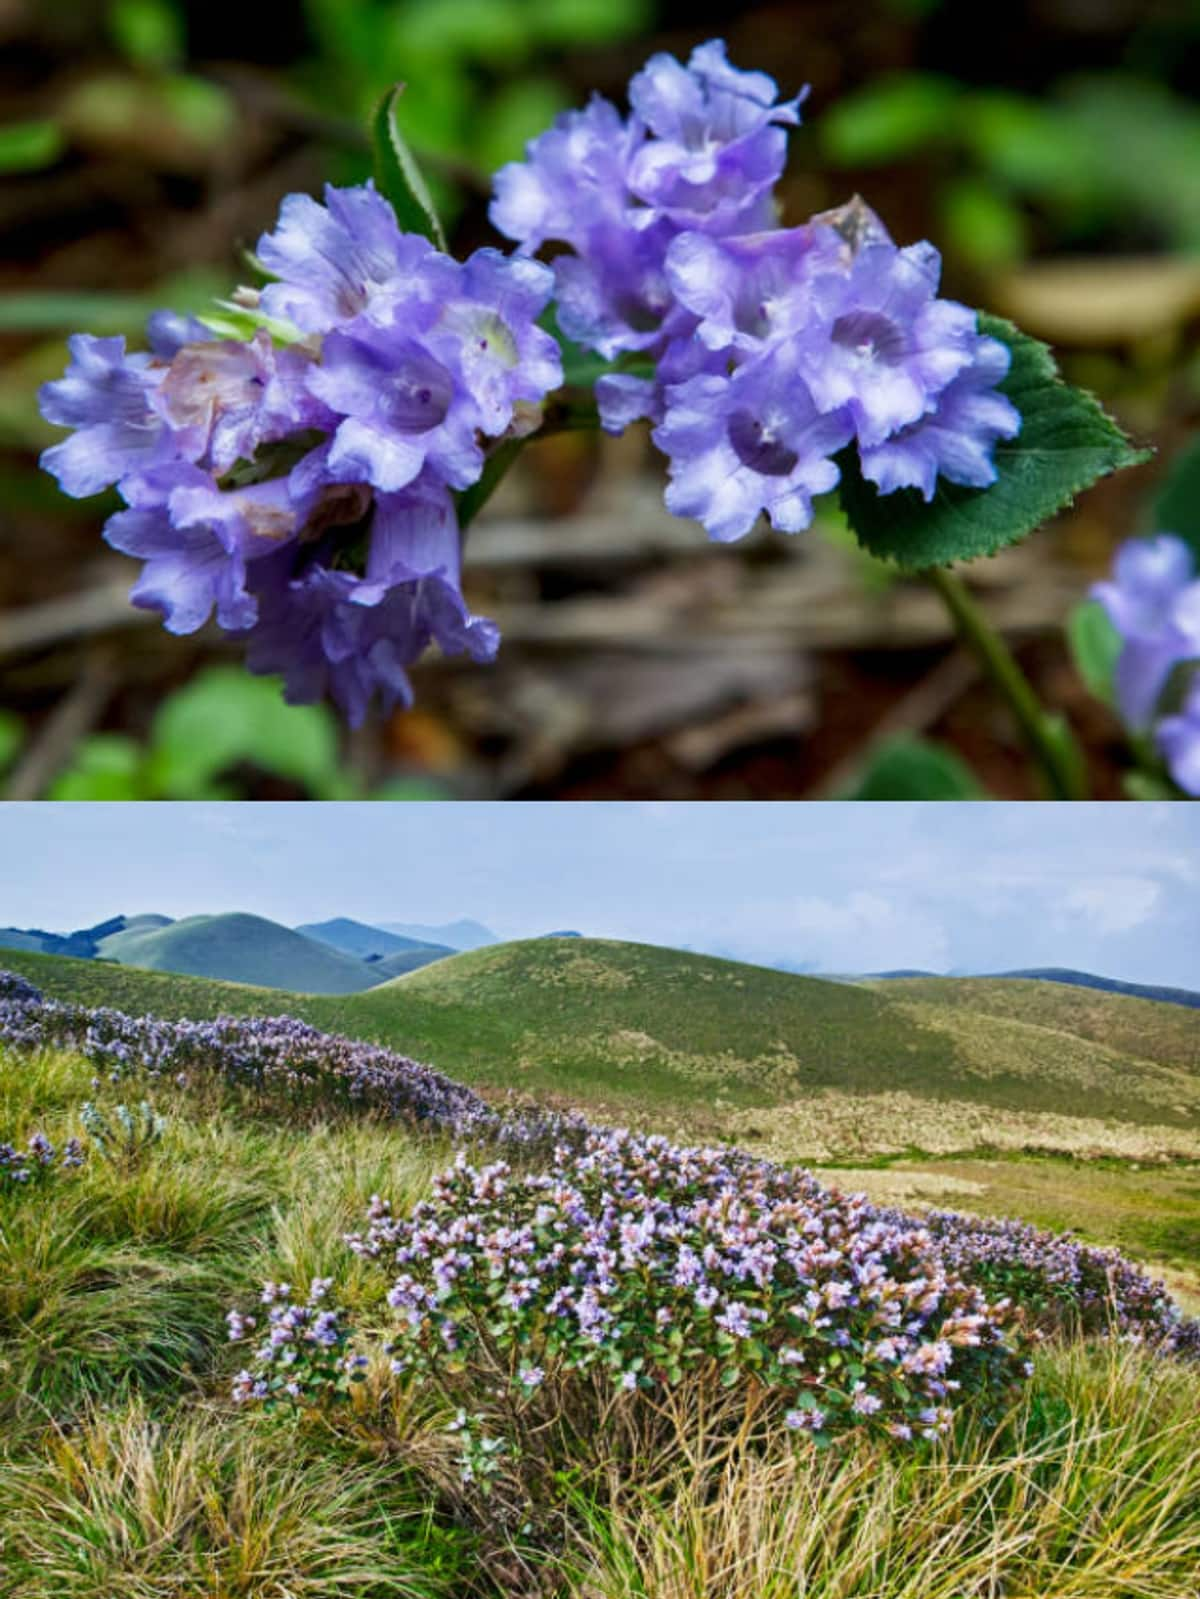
x: 256, y: 950
x: 797, y: 1066
x: 1164, y: 1032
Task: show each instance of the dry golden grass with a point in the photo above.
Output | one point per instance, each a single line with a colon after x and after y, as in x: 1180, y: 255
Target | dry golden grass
x: 830, y: 1126
x: 1089, y: 1490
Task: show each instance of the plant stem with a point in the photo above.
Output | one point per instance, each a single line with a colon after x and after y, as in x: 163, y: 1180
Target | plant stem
x: 1047, y: 737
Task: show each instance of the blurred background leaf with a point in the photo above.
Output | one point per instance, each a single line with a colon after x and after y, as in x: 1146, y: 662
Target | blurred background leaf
x: 910, y: 768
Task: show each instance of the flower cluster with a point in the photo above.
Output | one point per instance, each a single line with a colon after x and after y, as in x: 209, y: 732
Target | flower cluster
x: 1153, y: 600
x: 1061, y: 1284
x: 276, y: 1059
x: 38, y: 1159
x: 298, y: 483
x: 773, y: 348
x: 643, y: 1261
x: 304, y: 1357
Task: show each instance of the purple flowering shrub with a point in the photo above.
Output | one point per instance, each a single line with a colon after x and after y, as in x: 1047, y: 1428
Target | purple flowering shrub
x: 630, y: 1265
x: 299, y: 464
x: 1153, y: 602
x: 1062, y: 1286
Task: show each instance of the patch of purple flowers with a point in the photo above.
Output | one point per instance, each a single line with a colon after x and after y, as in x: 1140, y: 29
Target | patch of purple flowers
x: 773, y: 348
x: 1060, y: 1283
x: 636, y: 1258
x: 38, y: 1159
x: 279, y: 1060
x: 1153, y: 600
x: 297, y: 484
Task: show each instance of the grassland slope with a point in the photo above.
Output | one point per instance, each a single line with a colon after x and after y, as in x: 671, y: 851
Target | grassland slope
x: 690, y: 1043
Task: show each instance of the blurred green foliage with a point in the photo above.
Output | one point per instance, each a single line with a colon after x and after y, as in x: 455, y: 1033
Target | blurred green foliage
x: 1097, y: 158
x: 909, y: 768
x: 480, y: 75
x: 223, y: 722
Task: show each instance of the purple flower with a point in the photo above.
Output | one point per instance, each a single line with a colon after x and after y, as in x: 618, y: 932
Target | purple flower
x: 753, y: 442
x: 196, y: 542
x: 226, y: 398
x: 105, y: 396
x: 1153, y: 599
x: 880, y: 343
x: 328, y: 631
x: 750, y: 290
x: 957, y: 437
x: 347, y: 257
x: 574, y: 178
x: 1178, y: 738
x: 717, y: 142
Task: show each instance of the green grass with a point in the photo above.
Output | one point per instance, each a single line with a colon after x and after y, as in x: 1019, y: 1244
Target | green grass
x: 702, y: 1046
x: 124, y: 1469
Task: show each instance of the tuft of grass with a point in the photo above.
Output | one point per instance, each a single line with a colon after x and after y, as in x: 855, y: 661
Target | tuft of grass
x: 202, y: 1505
x: 1089, y: 1489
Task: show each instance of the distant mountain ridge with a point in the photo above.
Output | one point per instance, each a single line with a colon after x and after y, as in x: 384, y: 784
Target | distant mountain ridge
x: 461, y: 935
x: 1067, y: 975
x: 1109, y: 985
x: 366, y: 941
x: 336, y: 957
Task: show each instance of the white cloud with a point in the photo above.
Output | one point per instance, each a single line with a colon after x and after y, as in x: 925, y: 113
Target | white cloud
x: 862, y: 932
x: 1112, y: 904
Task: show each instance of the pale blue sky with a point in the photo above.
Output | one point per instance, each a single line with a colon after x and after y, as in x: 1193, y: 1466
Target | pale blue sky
x: 1111, y: 888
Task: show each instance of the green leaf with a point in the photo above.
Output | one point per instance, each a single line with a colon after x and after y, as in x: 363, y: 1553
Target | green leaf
x: 106, y: 766
x: 1176, y: 506
x: 12, y: 734
x: 1066, y: 444
x: 28, y: 146
x: 909, y: 768
x: 225, y: 717
x: 148, y: 32
x: 1095, y: 646
x: 398, y: 175
x: 890, y: 120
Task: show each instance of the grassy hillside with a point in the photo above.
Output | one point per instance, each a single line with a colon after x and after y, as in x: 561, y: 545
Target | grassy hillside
x: 1143, y: 1028
x: 249, y: 949
x: 796, y: 1066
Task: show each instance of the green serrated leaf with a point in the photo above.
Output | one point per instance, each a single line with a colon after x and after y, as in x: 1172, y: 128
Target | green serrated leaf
x: 398, y: 175
x: 908, y: 768
x: 1095, y: 646
x: 1066, y: 443
x: 1176, y: 505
